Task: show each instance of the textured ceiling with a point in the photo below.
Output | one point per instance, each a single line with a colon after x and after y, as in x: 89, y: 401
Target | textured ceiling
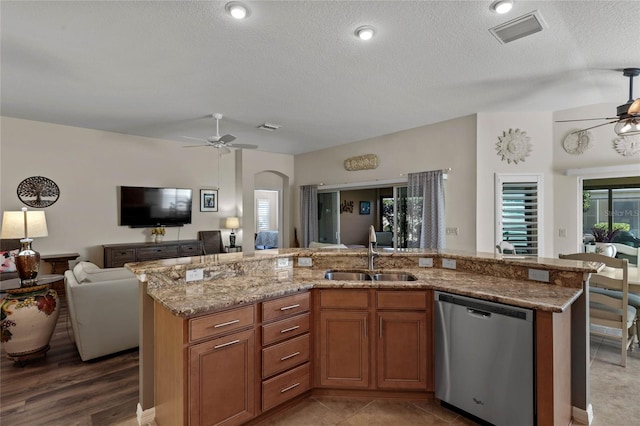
x: 157, y: 69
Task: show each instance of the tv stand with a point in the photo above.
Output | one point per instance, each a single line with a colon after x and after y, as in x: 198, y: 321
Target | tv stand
x: 116, y: 255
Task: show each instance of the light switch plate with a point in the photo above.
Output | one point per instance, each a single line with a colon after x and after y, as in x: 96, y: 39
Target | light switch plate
x: 449, y: 263
x: 305, y: 261
x: 283, y: 262
x: 194, y: 275
x: 425, y: 262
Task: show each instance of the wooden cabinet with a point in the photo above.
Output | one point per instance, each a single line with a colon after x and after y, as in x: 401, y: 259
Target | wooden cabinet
x: 116, y: 255
x: 286, y: 349
x: 404, y: 340
x: 344, y: 354
x: 221, y: 380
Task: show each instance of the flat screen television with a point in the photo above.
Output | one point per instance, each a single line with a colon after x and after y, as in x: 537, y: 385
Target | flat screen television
x: 147, y: 207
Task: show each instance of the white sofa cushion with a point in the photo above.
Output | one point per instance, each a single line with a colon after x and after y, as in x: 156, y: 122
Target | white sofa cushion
x: 110, y: 274
x: 82, y: 270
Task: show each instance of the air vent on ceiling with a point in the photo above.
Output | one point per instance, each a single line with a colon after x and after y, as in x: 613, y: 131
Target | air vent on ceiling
x: 522, y: 26
x: 268, y: 126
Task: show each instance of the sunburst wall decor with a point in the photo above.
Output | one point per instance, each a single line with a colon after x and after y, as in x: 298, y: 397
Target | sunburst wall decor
x: 627, y: 146
x: 513, y: 146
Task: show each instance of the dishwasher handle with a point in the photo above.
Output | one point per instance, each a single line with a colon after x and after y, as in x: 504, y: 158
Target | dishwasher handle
x: 478, y: 313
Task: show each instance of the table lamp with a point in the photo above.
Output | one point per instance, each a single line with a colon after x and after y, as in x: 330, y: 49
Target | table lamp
x: 232, y: 223
x: 25, y: 225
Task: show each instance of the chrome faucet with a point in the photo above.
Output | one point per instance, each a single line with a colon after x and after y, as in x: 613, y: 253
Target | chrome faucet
x: 372, y: 240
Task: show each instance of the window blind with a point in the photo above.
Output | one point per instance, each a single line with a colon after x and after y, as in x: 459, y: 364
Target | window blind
x: 263, y: 214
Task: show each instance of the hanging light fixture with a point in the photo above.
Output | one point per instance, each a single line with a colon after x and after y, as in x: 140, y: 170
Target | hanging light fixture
x: 628, y: 126
x: 501, y: 6
x: 237, y: 10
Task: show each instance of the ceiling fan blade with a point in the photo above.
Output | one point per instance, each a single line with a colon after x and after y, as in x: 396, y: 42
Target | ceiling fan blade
x: 194, y: 139
x: 227, y: 138
x: 586, y: 119
x: 242, y: 145
x: 593, y: 127
x: 194, y: 146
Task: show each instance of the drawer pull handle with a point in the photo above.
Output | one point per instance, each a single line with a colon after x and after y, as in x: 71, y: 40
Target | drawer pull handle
x: 288, y: 388
x: 286, y: 308
x: 286, y: 330
x: 284, y: 358
x: 233, y: 342
x: 226, y: 323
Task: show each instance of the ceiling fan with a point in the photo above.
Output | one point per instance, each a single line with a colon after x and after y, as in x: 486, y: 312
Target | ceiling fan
x: 628, y: 115
x: 223, y: 143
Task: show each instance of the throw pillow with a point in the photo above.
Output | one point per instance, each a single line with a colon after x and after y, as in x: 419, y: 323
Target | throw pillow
x: 8, y: 259
x: 83, y: 269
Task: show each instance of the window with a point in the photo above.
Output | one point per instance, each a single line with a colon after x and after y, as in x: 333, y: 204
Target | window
x: 519, y: 212
x: 263, y: 215
x: 614, y: 204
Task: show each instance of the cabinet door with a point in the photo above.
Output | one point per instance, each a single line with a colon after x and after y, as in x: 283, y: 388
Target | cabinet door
x: 402, y: 350
x: 221, y: 380
x: 344, y: 349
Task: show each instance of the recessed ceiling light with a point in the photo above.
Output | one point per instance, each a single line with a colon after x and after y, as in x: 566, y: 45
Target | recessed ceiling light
x: 237, y: 10
x: 365, y: 32
x: 501, y: 6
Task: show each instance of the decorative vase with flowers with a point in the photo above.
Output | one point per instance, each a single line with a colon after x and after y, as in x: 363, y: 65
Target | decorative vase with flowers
x: 157, y: 234
x: 604, y: 238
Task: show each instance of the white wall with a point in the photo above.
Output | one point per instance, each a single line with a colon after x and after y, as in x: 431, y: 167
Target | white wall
x: 539, y: 127
x: 438, y: 146
x: 88, y: 166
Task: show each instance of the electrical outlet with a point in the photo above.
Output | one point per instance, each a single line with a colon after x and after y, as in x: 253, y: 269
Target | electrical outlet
x: 449, y: 263
x: 194, y: 274
x: 304, y: 261
x: 283, y: 262
x: 425, y: 262
x: 562, y: 232
x: 539, y: 275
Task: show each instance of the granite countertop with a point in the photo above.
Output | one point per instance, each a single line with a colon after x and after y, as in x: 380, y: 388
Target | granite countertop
x: 192, y: 299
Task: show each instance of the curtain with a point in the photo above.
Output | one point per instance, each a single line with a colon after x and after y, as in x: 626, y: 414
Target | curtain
x: 309, y: 213
x: 425, y: 210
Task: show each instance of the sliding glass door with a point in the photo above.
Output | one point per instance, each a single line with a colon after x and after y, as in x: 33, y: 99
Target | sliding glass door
x: 329, y: 217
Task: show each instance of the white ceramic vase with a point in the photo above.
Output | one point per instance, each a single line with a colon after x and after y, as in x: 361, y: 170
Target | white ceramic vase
x: 607, y: 249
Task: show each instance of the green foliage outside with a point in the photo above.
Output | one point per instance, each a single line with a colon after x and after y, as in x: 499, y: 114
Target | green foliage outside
x: 616, y: 226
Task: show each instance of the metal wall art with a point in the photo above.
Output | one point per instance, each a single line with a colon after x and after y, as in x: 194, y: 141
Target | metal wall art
x: 513, y: 146
x: 627, y: 146
x: 38, y: 192
x: 577, y: 142
x: 363, y: 162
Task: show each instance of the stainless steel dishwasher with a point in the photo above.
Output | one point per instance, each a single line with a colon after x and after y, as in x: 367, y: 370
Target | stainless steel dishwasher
x: 484, y: 359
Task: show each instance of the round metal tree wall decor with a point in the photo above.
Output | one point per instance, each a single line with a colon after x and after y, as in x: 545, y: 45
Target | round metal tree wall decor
x: 38, y: 191
x: 513, y: 146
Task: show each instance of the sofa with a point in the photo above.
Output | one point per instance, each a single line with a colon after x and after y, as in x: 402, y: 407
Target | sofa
x: 9, y: 249
x: 104, y: 309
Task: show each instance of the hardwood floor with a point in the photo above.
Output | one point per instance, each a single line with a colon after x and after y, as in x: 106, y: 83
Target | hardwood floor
x: 61, y: 389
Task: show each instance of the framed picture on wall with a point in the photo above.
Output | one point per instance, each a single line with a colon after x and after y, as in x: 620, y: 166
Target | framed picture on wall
x: 365, y: 207
x: 208, y: 200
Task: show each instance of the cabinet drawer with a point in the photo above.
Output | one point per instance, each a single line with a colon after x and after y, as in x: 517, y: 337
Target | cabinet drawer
x: 123, y: 255
x: 285, y: 355
x: 401, y: 300
x: 284, y: 329
x: 355, y: 299
x: 285, y: 386
x: 161, y: 252
x: 190, y: 250
x: 219, y: 323
x: 285, y: 306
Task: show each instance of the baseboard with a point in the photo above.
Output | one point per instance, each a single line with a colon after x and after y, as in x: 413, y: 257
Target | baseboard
x: 146, y: 417
x: 583, y: 417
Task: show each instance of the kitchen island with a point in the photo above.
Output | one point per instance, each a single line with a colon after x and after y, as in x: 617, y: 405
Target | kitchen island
x: 185, y: 324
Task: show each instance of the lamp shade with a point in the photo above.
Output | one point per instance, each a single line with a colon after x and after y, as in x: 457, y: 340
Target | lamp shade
x: 232, y: 223
x: 24, y: 224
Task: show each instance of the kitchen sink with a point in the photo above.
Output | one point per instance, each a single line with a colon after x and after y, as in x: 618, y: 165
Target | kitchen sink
x: 363, y: 276
x: 393, y: 276
x: 347, y: 276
